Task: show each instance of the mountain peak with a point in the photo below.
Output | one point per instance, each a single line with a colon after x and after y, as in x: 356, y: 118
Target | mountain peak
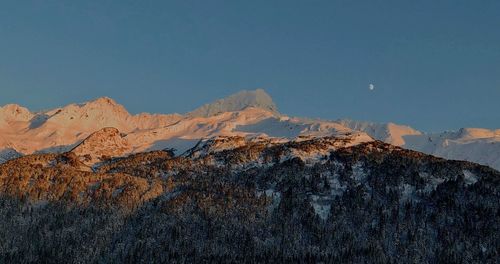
x: 104, y: 100
x: 14, y: 112
x: 104, y: 103
x: 107, y: 142
x: 236, y: 102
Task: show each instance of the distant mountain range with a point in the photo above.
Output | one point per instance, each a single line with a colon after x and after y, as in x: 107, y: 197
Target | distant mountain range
x: 250, y: 114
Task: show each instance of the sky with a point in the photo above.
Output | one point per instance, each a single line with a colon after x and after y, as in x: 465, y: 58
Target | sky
x: 433, y: 65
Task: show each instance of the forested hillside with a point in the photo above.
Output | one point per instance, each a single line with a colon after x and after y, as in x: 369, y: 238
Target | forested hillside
x: 314, y: 200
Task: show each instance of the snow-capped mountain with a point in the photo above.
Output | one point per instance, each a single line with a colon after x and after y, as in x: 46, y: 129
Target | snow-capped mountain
x: 390, y: 133
x: 61, y: 129
x: 472, y: 144
x: 237, y: 102
x: 249, y: 114
x: 243, y: 174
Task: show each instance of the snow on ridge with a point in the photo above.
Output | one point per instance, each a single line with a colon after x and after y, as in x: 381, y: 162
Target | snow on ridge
x: 237, y: 102
x: 469, y: 177
x: 388, y: 132
x: 14, y: 113
x: 247, y: 114
x: 107, y: 142
x: 316, y: 150
x: 472, y: 144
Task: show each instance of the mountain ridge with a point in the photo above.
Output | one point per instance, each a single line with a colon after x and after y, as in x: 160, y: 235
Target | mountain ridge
x: 247, y: 113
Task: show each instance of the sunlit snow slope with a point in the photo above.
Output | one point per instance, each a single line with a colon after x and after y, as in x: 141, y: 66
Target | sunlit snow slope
x: 250, y: 114
x: 472, y: 144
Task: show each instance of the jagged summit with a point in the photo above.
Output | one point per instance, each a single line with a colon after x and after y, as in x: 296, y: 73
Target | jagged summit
x: 236, y: 102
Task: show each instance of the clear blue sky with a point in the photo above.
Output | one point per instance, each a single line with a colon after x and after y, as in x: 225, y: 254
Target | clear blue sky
x: 435, y: 64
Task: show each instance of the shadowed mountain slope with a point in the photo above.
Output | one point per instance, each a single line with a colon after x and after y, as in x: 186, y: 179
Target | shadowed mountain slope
x: 230, y: 199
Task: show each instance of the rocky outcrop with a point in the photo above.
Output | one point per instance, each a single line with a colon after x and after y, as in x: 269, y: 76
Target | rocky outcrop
x: 102, y: 145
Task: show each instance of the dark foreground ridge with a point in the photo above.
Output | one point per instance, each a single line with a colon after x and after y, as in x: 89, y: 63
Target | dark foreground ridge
x: 258, y: 201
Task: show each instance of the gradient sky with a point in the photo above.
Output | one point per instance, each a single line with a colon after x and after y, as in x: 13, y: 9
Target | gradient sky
x: 435, y: 64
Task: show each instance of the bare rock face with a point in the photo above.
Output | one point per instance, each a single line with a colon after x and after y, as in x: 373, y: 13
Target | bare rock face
x: 102, y: 145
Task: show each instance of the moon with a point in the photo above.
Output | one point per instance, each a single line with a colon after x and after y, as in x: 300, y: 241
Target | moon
x: 371, y: 87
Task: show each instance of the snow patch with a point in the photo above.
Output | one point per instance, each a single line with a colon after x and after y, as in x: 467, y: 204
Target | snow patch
x: 336, y: 188
x: 469, y: 177
x: 358, y: 172
x: 431, y: 181
x: 274, y: 195
x: 321, y: 206
x: 408, y: 193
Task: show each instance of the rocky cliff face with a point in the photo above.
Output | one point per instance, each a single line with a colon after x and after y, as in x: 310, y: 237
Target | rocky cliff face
x: 231, y: 199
